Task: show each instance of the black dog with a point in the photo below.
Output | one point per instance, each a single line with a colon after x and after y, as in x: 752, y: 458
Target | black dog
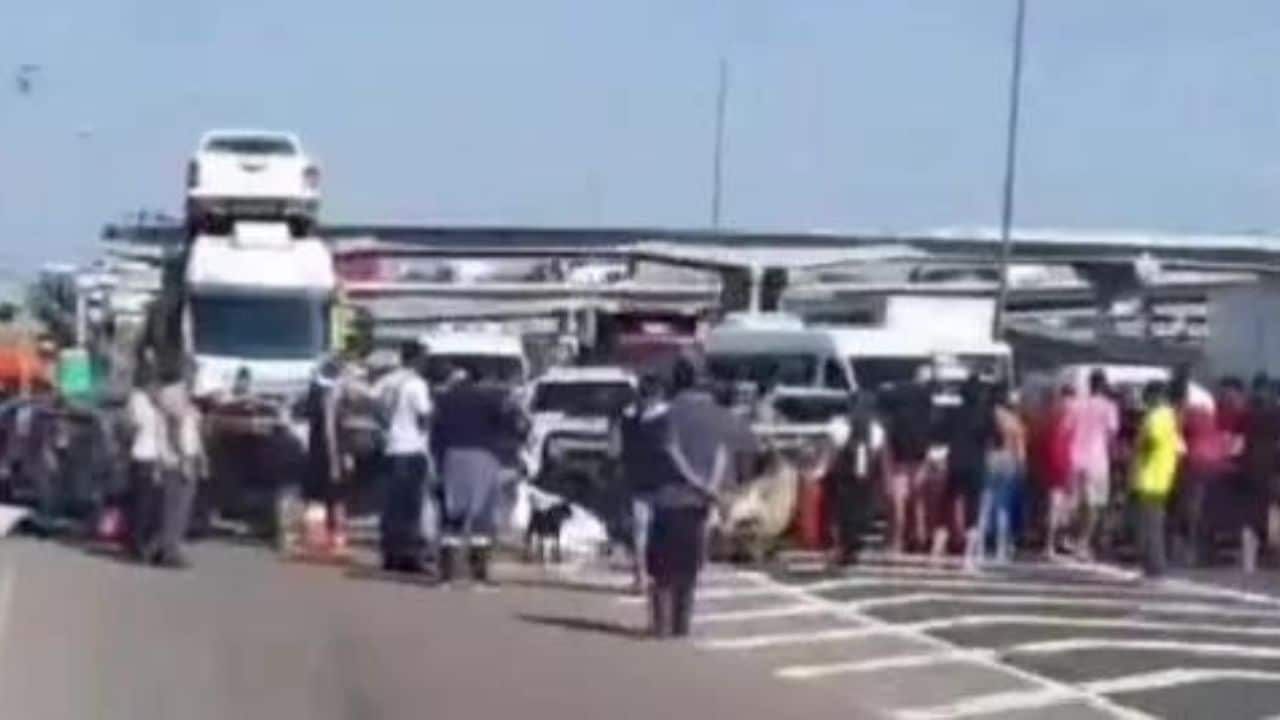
x: 544, y: 528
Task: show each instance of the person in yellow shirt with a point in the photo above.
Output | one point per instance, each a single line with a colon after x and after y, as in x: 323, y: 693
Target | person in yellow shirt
x: 1155, y: 464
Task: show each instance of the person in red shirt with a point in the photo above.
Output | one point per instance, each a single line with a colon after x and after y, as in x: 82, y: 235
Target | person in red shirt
x: 1055, y: 466
x: 1202, y: 466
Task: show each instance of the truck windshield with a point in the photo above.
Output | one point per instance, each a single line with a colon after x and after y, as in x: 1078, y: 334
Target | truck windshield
x: 260, y: 327
x: 250, y: 145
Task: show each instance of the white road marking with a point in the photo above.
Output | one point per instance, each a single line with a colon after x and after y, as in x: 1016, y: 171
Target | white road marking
x: 790, y: 610
x: 1090, y: 623
x: 809, y: 561
x: 1001, y: 702
x: 755, y: 642
x: 1179, y: 585
x: 893, y: 662
x: 1176, y: 584
x: 1050, y: 647
x: 910, y: 572
x: 958, y: 583
x: 1057, y: 692
x: 714, y: 593
x: 727, y: 593
x: 1056, y: 647
x: 1177, y: 676
x: 1149, y: 608
x: 1112, y: 572
x: 1027, y: 700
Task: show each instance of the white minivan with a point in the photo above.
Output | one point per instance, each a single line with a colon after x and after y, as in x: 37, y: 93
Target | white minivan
x: 791, y: 356
x: 495, y: 356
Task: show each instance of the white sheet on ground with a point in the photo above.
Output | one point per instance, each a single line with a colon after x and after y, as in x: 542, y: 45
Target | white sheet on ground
x: 10, y: 516
x: 582, y: 534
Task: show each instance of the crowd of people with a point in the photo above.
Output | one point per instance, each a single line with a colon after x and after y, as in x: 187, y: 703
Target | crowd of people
x: 973, y: 470
x: 1082, y: 470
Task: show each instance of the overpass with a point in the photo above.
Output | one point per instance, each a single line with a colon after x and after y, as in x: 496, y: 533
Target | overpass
x: 755, y: 267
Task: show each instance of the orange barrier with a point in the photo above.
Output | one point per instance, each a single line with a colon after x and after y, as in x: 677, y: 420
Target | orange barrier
x: 23, y: 367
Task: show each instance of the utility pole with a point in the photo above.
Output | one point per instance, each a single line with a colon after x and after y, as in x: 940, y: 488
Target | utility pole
x: 717, y: 160
x: 1010, y: 170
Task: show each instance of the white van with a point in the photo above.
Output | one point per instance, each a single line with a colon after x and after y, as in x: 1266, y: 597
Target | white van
x: 847, y: 359
x: 493, y: 355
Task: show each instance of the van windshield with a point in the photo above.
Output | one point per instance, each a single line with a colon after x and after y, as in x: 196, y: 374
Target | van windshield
x: 784, y: 370
x: 582, y: 399
x: 502, y: 368
x: 872, y: 373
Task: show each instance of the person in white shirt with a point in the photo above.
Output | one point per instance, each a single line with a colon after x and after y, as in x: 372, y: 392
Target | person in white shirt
x: 406, y: 406
x: 147, y: 431
x: 181, y: 464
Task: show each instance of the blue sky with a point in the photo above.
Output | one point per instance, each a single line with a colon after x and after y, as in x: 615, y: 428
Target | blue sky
x: 843, y: 114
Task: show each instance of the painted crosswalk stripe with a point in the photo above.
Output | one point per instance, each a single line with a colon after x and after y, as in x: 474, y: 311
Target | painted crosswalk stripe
x: 893, y: 662
x: 1070, y: 645
x: 751, y: 642
x: 755, y: 642
x: 1064, y: 692
x: 1177, y: 676
x: 969, y: 621
x: 1050, y: 647
x: 1146, y: 608
x: 979, y: 583
x: 991, y: 704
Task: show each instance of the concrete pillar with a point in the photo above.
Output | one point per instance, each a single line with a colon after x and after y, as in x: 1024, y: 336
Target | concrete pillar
x: 752, y: 289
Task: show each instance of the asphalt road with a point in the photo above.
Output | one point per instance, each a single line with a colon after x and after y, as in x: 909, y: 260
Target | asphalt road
x: 242, y: 634
x: 917, y: 640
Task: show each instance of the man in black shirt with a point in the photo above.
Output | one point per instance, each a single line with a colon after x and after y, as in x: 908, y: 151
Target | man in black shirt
x: 477, y: 426
x: 910, y: 414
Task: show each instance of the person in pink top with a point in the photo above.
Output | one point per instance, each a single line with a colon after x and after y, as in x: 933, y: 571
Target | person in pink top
x: 1094, y: 421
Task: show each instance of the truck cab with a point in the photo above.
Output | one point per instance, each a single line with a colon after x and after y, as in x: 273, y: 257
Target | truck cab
x: 259, y: 301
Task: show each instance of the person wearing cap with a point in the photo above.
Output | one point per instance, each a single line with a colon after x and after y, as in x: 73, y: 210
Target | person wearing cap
x: 698, y: 458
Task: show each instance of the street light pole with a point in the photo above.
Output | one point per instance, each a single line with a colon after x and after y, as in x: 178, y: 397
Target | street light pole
x: 717, y: 159
x: 1010, y: 170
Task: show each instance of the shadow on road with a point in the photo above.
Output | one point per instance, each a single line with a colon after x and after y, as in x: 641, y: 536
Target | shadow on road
x: 367, y: 572
x: 580, y: 624
x: 570, y: 585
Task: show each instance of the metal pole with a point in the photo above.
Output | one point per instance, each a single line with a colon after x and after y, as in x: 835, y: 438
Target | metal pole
x: 717, y: 161
x: 1010, y: 170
